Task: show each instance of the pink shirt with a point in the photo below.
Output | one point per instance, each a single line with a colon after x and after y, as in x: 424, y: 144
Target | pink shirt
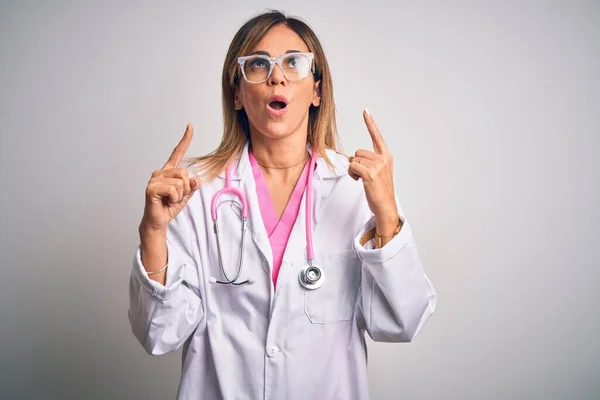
x: 278, y: 230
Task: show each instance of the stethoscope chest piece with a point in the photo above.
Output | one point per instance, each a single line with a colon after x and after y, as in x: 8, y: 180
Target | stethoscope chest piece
x: 311, y: 277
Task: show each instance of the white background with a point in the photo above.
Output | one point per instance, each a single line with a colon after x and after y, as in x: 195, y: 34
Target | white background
x: 491, y: 110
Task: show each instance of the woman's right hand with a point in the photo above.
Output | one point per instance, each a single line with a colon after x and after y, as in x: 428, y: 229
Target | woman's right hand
x: 169, y: 189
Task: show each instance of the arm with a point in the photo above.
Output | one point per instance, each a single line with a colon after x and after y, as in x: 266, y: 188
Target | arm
x: 165, y: 308
x: 396, y: 296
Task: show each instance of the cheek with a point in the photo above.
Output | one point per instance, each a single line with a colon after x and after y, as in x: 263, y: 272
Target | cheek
x: 303, y: 100
x: 306, y: 93
x: 252, y: 101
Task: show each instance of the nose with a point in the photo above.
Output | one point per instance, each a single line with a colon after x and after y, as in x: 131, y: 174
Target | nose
x: 277, y: 77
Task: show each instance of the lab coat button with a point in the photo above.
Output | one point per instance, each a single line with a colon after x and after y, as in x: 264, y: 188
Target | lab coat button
x: 272, y: 351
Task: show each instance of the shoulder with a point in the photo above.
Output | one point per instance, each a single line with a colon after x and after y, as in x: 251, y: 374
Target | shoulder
x: 344, y: 190
x: 338, y: 158
x: 332, y: 165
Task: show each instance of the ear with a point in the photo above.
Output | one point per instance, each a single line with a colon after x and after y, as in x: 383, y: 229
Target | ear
x: 237, y: 100
x: 316, y: 101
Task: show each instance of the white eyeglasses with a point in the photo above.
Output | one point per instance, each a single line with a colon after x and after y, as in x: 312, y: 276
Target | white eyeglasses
x: 258, y: 68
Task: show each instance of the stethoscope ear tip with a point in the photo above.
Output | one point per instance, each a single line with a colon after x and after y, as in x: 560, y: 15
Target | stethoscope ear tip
x: 212, y: 279
x: 251, y: 280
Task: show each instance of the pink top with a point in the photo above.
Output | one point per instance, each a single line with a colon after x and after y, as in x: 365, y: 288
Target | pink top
x: 278, y: 230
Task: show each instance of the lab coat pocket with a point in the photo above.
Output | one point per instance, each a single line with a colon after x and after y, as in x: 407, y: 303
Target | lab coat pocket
x: 335, y: 300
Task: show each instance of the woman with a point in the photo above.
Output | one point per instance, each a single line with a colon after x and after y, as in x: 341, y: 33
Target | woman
x: 325, y: 255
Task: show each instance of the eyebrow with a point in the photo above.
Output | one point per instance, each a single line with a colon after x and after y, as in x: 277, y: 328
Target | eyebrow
x: 266, y: 53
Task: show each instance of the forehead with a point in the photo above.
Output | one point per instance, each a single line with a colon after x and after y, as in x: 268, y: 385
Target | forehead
x: 280, y: 39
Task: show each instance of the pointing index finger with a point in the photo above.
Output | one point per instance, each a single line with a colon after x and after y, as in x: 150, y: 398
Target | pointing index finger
x: 179, y: 150
x: 378, y: 143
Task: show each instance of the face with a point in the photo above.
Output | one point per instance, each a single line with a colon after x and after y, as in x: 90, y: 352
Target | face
x: 271, y: 118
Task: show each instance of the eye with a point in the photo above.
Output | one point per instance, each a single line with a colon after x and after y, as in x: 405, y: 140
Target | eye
x: 292, y: 62
x: 258, y: 63
x: 296, y: 62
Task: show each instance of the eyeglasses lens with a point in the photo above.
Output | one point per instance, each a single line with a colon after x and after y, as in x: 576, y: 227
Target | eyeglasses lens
x: 295, y: 67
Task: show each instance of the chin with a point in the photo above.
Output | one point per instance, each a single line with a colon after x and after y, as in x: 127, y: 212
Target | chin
x: 278, y: 128
x: 277, y: 131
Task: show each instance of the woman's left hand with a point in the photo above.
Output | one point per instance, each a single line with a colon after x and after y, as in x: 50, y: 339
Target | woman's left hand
x: 375, y: 168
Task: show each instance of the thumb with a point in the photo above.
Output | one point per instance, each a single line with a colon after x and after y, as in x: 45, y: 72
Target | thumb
x: 194, y: 184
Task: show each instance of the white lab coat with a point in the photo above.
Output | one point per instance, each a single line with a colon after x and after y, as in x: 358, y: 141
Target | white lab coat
x: 255, y: 342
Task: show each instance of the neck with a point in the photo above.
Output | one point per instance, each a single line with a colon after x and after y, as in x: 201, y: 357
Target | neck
x: 280, y: 159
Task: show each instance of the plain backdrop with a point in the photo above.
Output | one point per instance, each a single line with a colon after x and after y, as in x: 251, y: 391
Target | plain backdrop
x: 491, y: 110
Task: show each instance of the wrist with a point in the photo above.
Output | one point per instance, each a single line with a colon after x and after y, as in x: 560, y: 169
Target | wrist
x: 147, y: 231
x: 386, y: 223
x: 154, y: 252
x: 381, y: 239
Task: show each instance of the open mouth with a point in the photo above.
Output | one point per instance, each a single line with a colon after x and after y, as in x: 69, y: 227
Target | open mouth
x: 277, y: 105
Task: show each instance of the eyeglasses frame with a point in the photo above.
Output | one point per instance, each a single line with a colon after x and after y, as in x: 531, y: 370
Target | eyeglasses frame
x: 276, y: 61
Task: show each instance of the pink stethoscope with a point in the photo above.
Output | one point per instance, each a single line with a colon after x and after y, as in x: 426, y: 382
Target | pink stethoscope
x: 311, y: 276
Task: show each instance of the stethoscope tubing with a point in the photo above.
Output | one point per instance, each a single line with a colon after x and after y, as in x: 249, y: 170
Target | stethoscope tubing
x: 307, y: 272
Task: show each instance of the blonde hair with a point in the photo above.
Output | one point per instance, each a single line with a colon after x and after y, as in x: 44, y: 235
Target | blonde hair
x: 322, y: 129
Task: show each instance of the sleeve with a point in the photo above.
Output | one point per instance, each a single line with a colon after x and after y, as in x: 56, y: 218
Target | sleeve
x: 396, y: 296
x: 163, y: 317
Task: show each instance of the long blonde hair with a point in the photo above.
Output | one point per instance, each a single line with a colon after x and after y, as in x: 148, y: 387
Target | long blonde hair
x: 322, y: 129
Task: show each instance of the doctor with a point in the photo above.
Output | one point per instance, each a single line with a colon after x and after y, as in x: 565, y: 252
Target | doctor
x: 271, y: 285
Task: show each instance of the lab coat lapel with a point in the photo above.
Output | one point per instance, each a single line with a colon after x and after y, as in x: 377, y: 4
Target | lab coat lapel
x: 243, y: 179
x: 324, y: 181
